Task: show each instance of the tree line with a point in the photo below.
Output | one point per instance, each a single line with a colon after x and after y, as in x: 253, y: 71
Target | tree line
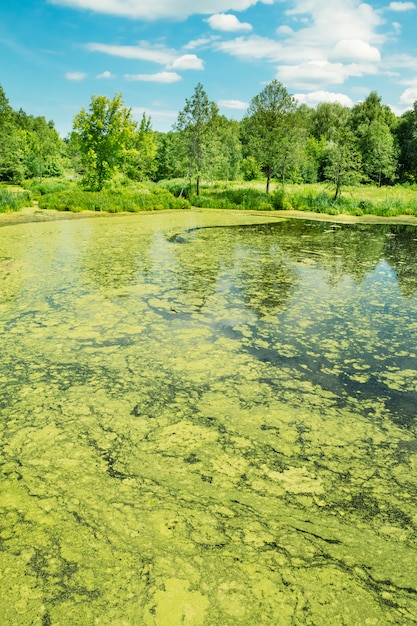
x: 277, y: 138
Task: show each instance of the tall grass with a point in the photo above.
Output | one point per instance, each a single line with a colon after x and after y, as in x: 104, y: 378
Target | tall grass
x: 113, y: 201
x: 14, y: 200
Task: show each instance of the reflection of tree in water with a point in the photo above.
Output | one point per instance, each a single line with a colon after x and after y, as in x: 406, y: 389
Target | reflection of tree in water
x: 263, y: 277
x: 340, y: 251
x: 114, y: 257
x: 400, y: 252
x: 266, y: 280
x: 198, y: 265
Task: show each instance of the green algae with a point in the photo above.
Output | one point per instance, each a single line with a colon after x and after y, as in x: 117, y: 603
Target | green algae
x: 222, y: 433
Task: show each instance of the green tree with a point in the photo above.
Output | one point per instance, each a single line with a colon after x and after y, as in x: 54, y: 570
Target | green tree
x: 343, y: 161
x: 171, y: 158
x: 267, y: 126
x: 141, y: 161
x: 406, y: 135
x: 11, y: 146
x: 43, y: 147
x: 105, y: 134
x: 196, y: 123
x: 224, y: 152
x: 327, y: 118
x: 373, y: 122
x: 379, y: 153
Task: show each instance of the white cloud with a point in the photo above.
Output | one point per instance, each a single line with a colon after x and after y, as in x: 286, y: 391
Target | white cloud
x: 106, y: 75
x: 253, y: 47
x: 397, y: 28
x: 157, y: 9
x: 143, y: 52
x: 159, y: 77
x: 77, y: 76
x: 285, y: 30
x: 409, y: 95
x: 315, y: 97
x: 202, y: 42
x: 311, y: 74
x: 233, y: 104
x: 401, y: 6
x: 227, y: 23
x: 355, y: 49
x: 187, y: 62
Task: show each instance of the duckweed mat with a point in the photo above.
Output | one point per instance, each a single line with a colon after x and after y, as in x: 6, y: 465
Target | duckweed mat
x: 208, y: 420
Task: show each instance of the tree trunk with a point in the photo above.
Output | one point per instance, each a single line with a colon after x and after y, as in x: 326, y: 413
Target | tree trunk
x: 268, y: 181
x: 197, y: 185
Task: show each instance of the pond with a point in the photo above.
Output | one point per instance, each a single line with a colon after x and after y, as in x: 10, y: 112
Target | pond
x: 208, y: 418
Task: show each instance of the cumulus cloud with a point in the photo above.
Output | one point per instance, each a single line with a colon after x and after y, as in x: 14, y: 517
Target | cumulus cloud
x: 233, y: 104
x: 106, y: 75
x: 157, y: 9
x: 401, y: 6
x: 227, y: 23
x: 77, y: 76
x: 187, y: 62
x: 355, y: 49
x: 409, y: 96
x: 159, y: 77
x: 311, y: 74
x: 285, y: 30
x: 143, y: 52
x: 315, y: 97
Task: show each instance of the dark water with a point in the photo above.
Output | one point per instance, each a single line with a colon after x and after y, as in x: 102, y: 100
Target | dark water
x: 207, y: 419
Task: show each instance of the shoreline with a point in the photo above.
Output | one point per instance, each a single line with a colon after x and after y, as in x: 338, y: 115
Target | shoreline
x: 32, y: 214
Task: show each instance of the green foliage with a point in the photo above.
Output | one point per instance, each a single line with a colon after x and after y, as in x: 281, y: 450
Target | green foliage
x: 270, y: 129
x: 343, y: 165
x: 250, y: 168
x: 14, y: 200
x: 196, y: 123
x: 105, y: 138
x: 237, y: 198
x: 40, y: 188
x: 133, y: 199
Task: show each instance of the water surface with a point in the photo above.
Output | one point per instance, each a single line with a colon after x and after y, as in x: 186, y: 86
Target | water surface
x: 208, y: 418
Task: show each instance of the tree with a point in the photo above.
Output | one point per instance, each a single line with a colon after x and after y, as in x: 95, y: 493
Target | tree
x: 379, y: 154
x: 105, y: 133
x: 406, y: 135
x: 224, y: 152
x: 372, y: 123
x: 11, y: 152
x: 343, y: 161
x: 327, y: 119
x: 196, y: 123
x: 43, y: 147
x: 266, y: 127
x: 141, y: 163
x: 171, y: 159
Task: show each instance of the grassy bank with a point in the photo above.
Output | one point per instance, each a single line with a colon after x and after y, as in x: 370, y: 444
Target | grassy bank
x: 134, y: 197
x: 318, y: 198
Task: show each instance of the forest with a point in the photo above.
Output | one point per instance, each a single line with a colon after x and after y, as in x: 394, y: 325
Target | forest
x: 280, y: 155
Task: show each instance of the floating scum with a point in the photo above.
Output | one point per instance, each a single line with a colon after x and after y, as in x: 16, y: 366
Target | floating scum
x: 207, y: 418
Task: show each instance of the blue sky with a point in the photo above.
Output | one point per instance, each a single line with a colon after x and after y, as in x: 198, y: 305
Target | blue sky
x: 56, y: 54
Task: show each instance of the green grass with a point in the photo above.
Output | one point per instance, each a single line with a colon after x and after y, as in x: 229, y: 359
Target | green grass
x: 318, y: 198
x: 14, y: 199
x: 124, y: 195
x: 130, y: 199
